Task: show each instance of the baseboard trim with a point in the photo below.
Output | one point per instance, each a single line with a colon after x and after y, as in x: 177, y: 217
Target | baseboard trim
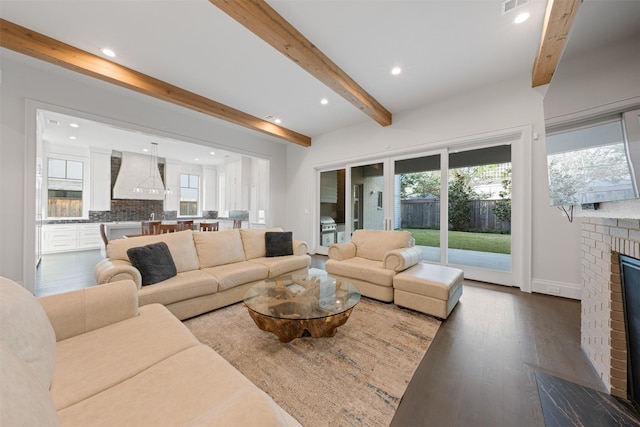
x: 558, y: 289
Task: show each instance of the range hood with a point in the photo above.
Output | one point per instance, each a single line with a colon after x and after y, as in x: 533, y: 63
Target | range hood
x: 135, y: 170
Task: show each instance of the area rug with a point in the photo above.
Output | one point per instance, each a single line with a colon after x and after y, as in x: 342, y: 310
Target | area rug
x: 355, y: 378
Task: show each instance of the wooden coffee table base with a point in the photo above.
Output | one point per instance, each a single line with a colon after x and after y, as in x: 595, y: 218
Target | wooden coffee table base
x: 288, y: 329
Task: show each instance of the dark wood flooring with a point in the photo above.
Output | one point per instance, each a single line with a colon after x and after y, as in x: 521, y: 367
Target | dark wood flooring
x: 480, y: 368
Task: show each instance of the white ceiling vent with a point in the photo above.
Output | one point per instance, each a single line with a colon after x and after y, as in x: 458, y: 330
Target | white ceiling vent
x: 53, y: 122
x: 509, y: 5
x: 269, y: 117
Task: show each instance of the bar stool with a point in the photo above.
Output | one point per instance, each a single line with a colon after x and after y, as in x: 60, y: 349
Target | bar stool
x: 103, y: 234
x: 237, y: 223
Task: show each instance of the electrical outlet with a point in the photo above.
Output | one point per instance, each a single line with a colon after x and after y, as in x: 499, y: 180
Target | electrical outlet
x: 554, y: 290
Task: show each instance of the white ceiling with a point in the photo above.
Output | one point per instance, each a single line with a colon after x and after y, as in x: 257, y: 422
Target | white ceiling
x: 444, y: 47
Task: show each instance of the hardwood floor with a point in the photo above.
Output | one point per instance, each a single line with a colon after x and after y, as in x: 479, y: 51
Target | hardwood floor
x: 480, y: 368
x: 479, y: 371
x: 65, y: 271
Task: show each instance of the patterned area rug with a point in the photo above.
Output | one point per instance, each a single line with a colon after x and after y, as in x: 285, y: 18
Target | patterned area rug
x: 355, y: 378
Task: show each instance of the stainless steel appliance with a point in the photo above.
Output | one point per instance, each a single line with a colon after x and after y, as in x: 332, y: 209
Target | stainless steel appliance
x: 327, y: 230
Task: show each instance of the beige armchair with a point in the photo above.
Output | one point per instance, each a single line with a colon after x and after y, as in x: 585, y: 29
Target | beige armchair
x: 371, y: 260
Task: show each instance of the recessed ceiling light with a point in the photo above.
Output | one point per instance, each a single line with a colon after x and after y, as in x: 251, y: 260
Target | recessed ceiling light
x: 212, y: 153
x: 72, y: 137
x: 521, y: 18
x: 108, y: 52
x: 324, y: 101
x: 277, y: 120
x: 74, y: 125
x: 396, y: 70
x: 196, y: 159
x: 146, y: 150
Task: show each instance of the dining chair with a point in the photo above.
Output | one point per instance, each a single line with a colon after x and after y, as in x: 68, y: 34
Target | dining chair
x: 209, y: 226
x: 168, y: 228
x: 150, y: 227
x: 185, y: 225
x: 237, y: 223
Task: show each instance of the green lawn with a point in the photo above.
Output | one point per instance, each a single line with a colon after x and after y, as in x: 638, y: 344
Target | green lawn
x: 482, y: 242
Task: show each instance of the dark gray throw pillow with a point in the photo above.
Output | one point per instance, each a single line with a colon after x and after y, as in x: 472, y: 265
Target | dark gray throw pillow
x: 278, y: 243
x: 154, y: 262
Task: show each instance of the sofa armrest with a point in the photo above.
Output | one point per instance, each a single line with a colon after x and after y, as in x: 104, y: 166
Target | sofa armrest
x: 300, y: 247
x: 401, y: 259
x: 107, y: 271
x: 342, y: 251
x: 76, y: 312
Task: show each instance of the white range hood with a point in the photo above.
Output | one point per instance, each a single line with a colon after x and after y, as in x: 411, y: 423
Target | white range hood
x: 138, y: 171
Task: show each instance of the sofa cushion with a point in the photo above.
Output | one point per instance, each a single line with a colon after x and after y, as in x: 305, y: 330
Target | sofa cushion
x: 26, y: 331
x: 218, y: 248
x: 253, y: 241
x: 195, y: 387
x: 93, y: 362
x: 278, y: 243
x: 239, y: 273
x: 363, y: 269
x: 183, y: 286
x: 284, y: 264
x: 154, y: 262
x: 180, y: 244
x: 24, y: 397
x: 373, y: 244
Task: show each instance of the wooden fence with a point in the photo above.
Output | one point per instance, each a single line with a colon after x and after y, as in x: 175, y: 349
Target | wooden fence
x: 422, y: 213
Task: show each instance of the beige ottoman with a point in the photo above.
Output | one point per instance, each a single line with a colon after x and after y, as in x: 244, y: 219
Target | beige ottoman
x: 430, y: 289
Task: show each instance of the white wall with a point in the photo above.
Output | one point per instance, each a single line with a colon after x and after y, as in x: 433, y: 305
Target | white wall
x: 26, y: 81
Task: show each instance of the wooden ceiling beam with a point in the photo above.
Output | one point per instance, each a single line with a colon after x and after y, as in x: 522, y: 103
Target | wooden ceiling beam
x: 261, y: 19
x: 36, y: 45
x: 558, y: 19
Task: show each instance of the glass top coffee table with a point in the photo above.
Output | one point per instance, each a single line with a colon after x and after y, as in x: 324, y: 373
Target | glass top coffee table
x: 293, y: 306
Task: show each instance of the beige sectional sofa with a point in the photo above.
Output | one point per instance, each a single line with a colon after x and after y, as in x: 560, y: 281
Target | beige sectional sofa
x: 214, y: 269
x: 372, y: 259
x: 93, y: 357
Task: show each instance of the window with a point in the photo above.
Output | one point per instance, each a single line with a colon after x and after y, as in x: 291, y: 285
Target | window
x: 189, y: 194
x: 64, y: 188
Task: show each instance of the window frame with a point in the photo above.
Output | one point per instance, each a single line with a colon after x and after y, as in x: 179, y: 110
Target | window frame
x: 198, y: 194
x: 85, y: 197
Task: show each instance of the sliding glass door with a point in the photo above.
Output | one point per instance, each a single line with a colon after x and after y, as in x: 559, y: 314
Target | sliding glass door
x: 479, y: 190
x: 456, y: 204
x: 417, y: 202
x: 368, y: 197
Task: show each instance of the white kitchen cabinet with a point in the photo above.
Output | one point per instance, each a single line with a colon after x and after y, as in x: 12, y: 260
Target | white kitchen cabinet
x: 89, y: 236
x: 70, y: 237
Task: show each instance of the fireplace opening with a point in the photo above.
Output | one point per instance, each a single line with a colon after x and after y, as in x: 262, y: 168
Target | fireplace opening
x: 630, y: 278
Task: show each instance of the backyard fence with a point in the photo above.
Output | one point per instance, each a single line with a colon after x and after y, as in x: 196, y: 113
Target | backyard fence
x: 423, y: 213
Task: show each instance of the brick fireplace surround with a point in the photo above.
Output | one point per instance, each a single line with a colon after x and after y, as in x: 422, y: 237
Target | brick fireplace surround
x: 602, y: 328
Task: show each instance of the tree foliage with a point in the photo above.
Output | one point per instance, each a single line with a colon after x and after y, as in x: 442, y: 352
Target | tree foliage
x: 460, y: 194
x: 574, y: 174
x: 420, y: 184
x: 502, y: 210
